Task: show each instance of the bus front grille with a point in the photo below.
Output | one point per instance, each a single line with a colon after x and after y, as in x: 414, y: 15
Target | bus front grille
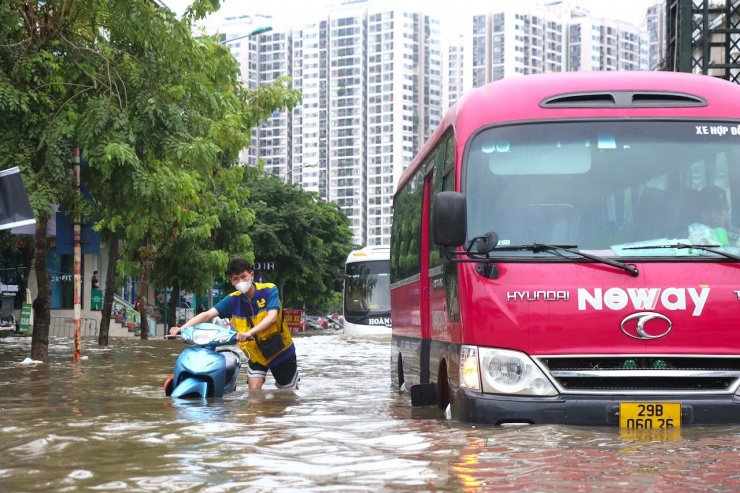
x: 641, y: 374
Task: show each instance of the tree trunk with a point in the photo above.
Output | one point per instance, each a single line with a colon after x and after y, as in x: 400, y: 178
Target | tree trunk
x: 42, y: 303
x: 145, y: 261
x: 23, y: 274
x: 172, y: 305
x: 110, y: 287
x: 143, y: 303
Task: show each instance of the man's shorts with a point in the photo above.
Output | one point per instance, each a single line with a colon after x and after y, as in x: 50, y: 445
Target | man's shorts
x: 285, y: 374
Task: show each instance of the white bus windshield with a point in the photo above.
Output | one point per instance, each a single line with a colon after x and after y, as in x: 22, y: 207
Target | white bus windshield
x: 367, y: 290
x: 617, y: 188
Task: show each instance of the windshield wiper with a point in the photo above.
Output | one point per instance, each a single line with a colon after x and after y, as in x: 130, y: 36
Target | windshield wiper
x: 539, y: 247
x: 681, y: 246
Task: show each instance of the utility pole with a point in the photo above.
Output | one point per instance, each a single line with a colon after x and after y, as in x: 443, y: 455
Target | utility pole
x: 77, y: 244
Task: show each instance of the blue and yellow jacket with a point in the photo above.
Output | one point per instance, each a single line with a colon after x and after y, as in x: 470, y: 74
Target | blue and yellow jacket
x: 265, y: 299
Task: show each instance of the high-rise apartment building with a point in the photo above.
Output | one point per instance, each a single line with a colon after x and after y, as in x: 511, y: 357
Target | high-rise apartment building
x: 371, y: 79
x: 600, y: 45
x: 372, y: 82
x: 655, y: 24
x: 518, y: 38
x: 262, y: 59
x: 453, y: 66
x: 310, y: 72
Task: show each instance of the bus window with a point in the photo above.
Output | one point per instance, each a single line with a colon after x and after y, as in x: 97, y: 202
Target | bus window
x: 443, y: 180
x: 367, y: 303
x: 594, y: 185
x: 406, y: 230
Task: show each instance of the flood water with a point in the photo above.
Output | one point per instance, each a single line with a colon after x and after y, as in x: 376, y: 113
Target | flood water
x: 104, y: 424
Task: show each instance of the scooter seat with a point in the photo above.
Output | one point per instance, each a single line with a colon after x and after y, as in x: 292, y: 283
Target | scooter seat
x: 233, y: 362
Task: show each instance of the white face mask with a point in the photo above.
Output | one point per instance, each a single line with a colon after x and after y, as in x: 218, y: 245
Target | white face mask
x: 244, y: 286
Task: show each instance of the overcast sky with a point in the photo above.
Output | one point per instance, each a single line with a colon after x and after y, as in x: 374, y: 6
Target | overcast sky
x: 293, y: 12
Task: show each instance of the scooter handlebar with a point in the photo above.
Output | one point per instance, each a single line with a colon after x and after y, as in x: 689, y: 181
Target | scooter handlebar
x: 176, y: 335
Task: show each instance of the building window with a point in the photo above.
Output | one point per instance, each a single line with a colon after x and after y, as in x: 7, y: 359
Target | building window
x: 61, y: 274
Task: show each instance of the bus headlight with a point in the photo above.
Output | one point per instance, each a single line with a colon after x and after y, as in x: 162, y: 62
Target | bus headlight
x: 469, y: 374
x: 511, y: 372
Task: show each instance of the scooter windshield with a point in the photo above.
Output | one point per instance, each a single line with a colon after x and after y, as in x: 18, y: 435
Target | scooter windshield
x: 202, y: 337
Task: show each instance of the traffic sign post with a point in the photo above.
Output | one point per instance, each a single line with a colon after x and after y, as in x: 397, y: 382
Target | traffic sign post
x: 96, y: 299
x: 26, y: 319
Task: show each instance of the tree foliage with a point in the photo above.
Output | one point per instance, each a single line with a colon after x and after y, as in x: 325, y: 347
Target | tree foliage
x: 182, y: 115
x: 307, y: 239
x: 193, y: 257
x: 159, y: 114
x: 45, y: 79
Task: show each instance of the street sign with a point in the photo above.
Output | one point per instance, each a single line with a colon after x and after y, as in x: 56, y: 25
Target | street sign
x: 96, y: 299
x: 25, y: 323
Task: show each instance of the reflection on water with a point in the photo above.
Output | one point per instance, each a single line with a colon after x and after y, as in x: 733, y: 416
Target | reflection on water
x: 104, y: 424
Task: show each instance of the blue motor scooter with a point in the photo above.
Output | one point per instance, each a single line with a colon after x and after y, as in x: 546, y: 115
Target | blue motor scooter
x: 204, y: 371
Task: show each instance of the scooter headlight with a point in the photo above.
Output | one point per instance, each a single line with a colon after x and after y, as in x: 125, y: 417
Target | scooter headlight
x: 511, y: 372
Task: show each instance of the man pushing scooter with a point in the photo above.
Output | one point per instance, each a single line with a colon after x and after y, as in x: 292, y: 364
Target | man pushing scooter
x: 256, y: 313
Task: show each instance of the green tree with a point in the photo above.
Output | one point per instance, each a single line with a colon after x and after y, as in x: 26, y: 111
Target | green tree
x: 307, y: 238
x: 151, y: 153
x: 45, y: 79
x: 185, y: 120
x: 156, y: 111
x: 193, y: 257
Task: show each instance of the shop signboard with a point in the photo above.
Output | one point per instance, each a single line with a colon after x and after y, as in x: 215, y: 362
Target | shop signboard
x: 293, y: 318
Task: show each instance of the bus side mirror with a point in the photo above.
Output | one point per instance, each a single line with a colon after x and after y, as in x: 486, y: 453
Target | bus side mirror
x: 338, y: 284
x: 449, y: 219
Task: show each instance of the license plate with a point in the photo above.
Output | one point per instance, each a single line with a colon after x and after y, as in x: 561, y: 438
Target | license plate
x: 649, y: 414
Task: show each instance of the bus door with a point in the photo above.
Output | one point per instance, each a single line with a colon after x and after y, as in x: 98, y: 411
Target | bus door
x: 425, y: 280
x: 433, y: 280
x: 425, y: 392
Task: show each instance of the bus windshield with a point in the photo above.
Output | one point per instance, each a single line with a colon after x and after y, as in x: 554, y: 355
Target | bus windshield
x: 616, y: 188
x: 367, y: 290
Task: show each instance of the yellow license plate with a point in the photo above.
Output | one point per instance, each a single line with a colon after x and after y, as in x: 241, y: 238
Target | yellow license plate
x: 649, y: 414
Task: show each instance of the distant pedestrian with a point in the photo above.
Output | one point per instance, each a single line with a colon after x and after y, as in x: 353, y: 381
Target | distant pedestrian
x: 95, y: 281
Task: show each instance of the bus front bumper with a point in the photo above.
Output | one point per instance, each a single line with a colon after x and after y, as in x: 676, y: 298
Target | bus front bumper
x: 591, y: 410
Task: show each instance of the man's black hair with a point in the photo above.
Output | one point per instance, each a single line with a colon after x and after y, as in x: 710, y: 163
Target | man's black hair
x: 237, y: 266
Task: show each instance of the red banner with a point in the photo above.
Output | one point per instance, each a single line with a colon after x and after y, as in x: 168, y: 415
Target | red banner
x: 293, y: 317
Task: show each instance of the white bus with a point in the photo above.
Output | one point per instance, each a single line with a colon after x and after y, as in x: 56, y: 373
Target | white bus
x: 367, y: 299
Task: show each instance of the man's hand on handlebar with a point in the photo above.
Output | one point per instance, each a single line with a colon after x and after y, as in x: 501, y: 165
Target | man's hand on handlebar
x: 243, y: 336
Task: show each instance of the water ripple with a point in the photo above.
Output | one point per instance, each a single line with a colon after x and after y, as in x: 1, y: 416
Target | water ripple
x: 104, y: 424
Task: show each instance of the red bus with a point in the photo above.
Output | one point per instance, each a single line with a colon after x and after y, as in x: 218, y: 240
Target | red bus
x: 562, y: 251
